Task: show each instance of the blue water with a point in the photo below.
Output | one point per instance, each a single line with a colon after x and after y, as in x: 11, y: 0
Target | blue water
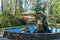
x: 14, y: 30
x: 54, y: 30
x: 31, y: 29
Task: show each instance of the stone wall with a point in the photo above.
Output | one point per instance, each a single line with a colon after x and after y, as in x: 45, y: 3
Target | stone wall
x: 34, y: 36
x: 28, y: 16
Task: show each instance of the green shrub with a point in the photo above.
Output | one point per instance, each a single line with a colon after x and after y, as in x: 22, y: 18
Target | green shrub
x: 9, y: 20
x: 58, y: 20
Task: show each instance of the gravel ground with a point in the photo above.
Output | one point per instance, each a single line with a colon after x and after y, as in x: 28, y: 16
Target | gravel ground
x: 1, y: 38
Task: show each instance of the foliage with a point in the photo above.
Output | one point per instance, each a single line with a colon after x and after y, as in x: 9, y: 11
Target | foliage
x: 58, y: 19
x: 56, y: 8
x: 9, y: 20
x: 55, y: 12
x: 17, y: 11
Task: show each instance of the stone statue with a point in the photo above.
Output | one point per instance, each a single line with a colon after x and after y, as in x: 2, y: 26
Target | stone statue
x: 42, y: 25
x: 45, y: 24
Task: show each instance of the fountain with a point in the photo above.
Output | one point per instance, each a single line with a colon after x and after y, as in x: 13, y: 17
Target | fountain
x: 28, y: 33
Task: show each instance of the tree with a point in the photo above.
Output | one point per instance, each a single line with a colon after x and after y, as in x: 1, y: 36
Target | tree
x: 55, y: 9
x: 55, y: 12
x: 2, y: 5
x: 21, y: 8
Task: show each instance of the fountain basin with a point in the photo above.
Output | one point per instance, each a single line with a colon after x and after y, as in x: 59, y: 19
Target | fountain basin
x: 17, y: 35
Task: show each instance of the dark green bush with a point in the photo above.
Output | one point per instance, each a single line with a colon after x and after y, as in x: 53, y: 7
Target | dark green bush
x: 16, y: 22
x: 58, y: 20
